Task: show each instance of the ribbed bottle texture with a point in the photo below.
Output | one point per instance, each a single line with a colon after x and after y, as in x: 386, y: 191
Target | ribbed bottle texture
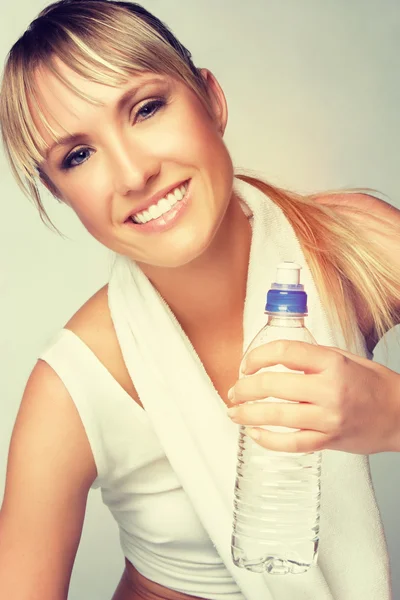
x: 276, y: 509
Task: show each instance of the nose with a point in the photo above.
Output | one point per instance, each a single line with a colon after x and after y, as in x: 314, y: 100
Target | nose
x: 134, y: 166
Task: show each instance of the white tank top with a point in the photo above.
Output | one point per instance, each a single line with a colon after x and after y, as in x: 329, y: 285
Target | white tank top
x: 160, y: 532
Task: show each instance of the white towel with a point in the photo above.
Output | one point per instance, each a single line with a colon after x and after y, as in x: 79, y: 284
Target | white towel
x: 200, y: 441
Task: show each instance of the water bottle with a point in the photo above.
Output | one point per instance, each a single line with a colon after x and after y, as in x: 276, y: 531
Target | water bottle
x: 277, y: 494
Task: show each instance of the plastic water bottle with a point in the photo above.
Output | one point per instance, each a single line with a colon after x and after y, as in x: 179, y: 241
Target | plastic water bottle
x: 277, y: 494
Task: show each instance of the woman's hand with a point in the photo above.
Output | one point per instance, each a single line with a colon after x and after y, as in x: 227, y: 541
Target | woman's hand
x: 346, y: 402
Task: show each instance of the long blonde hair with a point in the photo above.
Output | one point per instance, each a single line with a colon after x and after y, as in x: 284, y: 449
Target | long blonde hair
x: 106, y: 41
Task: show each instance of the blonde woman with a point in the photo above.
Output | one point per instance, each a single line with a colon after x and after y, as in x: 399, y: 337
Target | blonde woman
x: 103, y: 105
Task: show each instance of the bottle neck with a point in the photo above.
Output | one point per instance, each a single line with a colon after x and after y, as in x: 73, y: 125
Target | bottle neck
x: 286, y: 320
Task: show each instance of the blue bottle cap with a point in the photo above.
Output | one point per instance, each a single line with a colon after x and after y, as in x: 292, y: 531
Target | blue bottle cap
x: 287, y: 294
x: 286, y: 301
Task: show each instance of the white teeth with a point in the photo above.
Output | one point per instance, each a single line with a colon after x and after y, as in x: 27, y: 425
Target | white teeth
x: 178, y: 194
x: 165, y: 204
x: 170, y: 199
x: 162, y: 206
x: 154, y: 211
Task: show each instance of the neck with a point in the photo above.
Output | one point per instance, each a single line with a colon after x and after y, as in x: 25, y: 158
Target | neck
x: 209, y: 293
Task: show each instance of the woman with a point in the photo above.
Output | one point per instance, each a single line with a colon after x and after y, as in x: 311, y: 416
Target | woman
x: 90, y: 62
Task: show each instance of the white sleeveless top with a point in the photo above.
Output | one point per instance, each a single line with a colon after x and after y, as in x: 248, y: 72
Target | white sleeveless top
x: 160, y: 531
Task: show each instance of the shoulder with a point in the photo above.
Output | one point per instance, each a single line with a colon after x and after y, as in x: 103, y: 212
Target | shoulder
x: 92, y: 323
x: 92, y: 320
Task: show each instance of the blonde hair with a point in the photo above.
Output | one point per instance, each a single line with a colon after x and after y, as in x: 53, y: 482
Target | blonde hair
x: 106, y: 41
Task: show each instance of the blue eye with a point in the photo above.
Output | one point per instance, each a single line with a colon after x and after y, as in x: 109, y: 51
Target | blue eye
x: 150, y: 108
x: 68, y: 161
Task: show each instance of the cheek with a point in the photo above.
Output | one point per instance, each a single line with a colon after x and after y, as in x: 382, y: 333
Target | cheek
x: 199, y: 145
x: 190, y: 137
x: 89, y: 201
x: 204, y: 147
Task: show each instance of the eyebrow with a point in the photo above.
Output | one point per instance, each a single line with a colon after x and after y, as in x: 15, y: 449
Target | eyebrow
x: 120, y: 105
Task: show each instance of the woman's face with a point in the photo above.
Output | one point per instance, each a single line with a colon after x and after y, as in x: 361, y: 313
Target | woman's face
x: 125, y: 153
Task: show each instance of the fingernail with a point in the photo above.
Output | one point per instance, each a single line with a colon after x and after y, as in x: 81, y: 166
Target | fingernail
x: 255, y: 434
x: 231, y: 393
x: 232, y: 411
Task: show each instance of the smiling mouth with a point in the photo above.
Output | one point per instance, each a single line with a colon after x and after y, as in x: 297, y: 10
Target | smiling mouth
x: 163, y: 206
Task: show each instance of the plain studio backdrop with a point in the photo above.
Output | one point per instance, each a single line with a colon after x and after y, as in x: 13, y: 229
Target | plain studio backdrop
x: 313, y: 93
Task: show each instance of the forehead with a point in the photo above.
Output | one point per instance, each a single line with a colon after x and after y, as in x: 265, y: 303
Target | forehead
x: 64, y: 110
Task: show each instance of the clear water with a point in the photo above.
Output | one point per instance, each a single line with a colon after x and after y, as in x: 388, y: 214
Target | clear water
x: 276, y: 509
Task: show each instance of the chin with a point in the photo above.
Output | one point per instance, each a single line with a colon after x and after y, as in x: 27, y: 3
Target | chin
x: 183, y: 252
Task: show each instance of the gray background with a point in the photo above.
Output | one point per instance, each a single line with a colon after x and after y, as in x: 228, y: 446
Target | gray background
x: 313, y: 90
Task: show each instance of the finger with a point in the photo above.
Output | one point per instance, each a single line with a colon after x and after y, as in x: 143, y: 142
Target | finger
x: 299, y: 356
x: 297, y: 416
x: 295, y: 387
x: 301, y: 441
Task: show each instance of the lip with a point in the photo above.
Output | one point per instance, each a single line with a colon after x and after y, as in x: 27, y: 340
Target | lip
x: 154, y: 199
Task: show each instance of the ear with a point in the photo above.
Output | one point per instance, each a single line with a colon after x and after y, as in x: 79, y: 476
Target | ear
x: 217, y: 99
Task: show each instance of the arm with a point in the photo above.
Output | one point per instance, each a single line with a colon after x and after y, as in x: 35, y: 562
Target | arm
x: 50, y: 471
